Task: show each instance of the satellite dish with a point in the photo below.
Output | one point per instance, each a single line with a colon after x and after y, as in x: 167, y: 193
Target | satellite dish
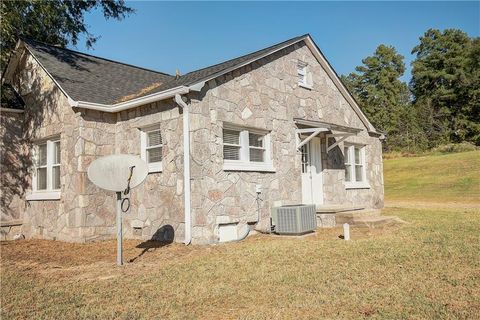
x: 112, y: 172
x: 119, y: 173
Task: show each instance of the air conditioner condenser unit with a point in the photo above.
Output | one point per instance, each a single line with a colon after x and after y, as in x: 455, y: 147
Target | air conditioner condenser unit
x: 294, y: 219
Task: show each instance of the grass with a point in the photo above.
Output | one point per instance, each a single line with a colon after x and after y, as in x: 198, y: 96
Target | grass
x: 428, y: 268
x: 451, y: 177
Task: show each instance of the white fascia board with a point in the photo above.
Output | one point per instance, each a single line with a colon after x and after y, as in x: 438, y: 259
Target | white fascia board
x: 333, y: 76
x: 197, y: 86
x: 12, y: 110
x: 48, y: 73
x: 130, y: 103
x: 13, y: 62
x: 119, y: 106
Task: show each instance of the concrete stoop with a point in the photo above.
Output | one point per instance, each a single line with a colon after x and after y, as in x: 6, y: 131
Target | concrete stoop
x: 366, y: 219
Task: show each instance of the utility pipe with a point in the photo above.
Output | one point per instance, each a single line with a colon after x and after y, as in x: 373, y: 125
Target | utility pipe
x: 186, y: 167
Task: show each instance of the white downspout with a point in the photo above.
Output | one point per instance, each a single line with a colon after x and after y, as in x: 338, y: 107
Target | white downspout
x: 186, y: 167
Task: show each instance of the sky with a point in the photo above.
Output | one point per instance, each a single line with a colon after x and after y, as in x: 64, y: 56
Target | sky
x: 166, y: 36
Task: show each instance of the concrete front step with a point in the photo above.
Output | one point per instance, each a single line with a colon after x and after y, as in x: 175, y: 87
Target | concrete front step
x: 349, y: 216
x: 374, y: 221
x: 336, y: 215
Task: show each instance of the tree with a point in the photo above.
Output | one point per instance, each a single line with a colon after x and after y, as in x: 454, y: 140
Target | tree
x: 58, y: 22
x: 446, y: 85
x: 379, y: 90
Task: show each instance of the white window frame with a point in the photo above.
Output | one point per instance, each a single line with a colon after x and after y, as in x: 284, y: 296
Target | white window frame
x: 49, y: 193
x: 156, y: 166
x: 302, y: 70
x: 353, y: 184
x: 244, y: 163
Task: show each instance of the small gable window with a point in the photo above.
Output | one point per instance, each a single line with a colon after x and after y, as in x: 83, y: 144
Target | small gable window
x: 246, y: 149
x: 152, y: 148
x: 304, y: 76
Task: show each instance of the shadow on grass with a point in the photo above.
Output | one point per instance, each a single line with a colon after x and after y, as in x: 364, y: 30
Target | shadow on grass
x: 162, y: 237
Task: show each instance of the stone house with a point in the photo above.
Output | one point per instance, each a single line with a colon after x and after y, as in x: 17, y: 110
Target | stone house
x: 271, y: 128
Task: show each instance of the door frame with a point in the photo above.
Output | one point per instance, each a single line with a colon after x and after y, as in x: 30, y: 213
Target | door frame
x: 311, y: 171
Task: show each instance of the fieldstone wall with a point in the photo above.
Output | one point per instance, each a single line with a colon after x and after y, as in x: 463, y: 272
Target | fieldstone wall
x: 13, y: 178
x: 47, y: 114
x: 157, y: 209
x: 84, y: 212
x: 265, y: 95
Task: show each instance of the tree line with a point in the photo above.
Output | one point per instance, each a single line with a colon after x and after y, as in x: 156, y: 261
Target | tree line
x: 440, y: 105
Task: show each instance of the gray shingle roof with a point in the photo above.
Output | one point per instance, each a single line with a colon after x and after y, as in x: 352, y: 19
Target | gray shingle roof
x: 94, y: 79
x: 205, y: 73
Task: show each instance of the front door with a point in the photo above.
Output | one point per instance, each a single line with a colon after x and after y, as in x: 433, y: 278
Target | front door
x: 312, y: 183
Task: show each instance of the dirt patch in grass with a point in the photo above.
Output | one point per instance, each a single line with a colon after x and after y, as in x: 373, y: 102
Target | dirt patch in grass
x: 428, y: 268
x: 46, y: 256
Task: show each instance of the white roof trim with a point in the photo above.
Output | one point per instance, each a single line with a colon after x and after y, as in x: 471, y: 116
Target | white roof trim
x: 12, y: 63
x: 105, y: 107
x: 247, y: 62
x: 46, y: 71
x: 323, y: 62
x: 130, y: 103
x: 333, y: 76
x: 199, y: 84
x: 12, y: 110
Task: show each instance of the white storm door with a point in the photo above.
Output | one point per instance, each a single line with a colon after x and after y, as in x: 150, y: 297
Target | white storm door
x: 312, y: 180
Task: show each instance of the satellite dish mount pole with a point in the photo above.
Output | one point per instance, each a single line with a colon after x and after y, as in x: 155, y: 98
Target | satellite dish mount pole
x: 119, y: 230
x: 110, y: 173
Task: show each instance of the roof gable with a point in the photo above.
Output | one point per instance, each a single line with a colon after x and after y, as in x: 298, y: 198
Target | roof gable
x: 106, y: 85
x: 88, y: 78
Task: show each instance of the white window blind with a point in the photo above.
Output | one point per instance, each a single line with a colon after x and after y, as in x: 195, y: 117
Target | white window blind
x: 152, y: 148
x: 231, y: 144
x: 246, y: 150
x: 304, y: 76
x: 302, y: 73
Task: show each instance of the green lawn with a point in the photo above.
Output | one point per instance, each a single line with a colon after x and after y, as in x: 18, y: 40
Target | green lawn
x: 436, y: 178
x: 428, y: 268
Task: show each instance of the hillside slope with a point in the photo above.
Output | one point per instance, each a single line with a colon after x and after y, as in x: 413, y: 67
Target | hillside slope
x: 434, y: 178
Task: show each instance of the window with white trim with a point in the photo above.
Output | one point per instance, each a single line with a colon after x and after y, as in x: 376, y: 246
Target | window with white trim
x: 47, y: 166
x: 152, y: 148
x: 231, y: 144
x: 256, y: 144
x: 304, y: 76
x: 246, y: 149
x: 355, y: 175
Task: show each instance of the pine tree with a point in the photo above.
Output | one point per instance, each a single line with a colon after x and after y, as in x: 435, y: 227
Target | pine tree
x: 57, y: 22
x: 446, y: 85
x: 380, y: 92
